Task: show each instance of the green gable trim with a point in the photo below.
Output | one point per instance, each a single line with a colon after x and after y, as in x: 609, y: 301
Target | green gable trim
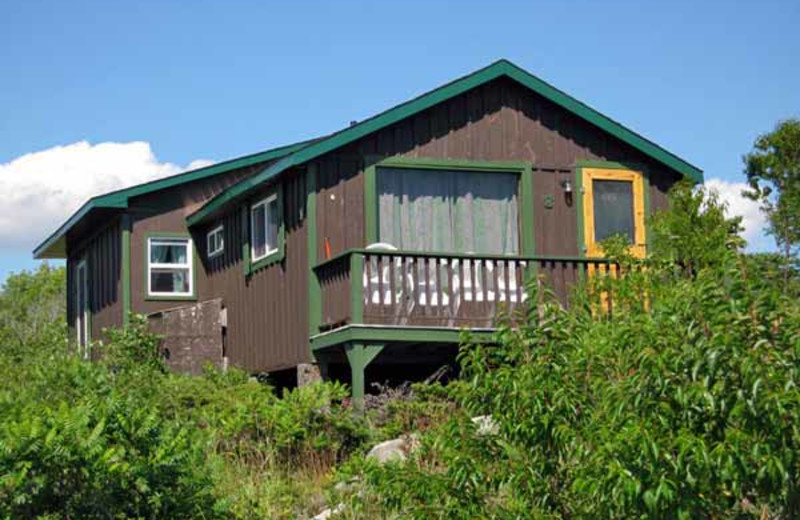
x: 496, y: 70
x: 53, y: 246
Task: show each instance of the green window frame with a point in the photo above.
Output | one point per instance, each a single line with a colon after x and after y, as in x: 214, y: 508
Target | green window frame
x: 192, y: 265
x: 275, y: 253
x: 525, y: 190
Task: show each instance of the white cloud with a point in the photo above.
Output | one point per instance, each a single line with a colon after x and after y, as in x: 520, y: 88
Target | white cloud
x: 753, y: 220
x: 39, y: 190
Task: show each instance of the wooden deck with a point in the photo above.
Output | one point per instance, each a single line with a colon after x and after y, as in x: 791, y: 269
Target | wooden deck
x: 400, y: 288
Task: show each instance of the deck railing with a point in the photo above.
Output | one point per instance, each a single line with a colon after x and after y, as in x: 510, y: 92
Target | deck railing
x: 403, y: 288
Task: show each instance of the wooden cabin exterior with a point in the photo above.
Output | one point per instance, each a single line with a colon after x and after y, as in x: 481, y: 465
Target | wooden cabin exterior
x: 376, y: 245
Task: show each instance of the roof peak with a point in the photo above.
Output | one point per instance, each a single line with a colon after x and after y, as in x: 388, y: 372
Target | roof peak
x: 496, y: 69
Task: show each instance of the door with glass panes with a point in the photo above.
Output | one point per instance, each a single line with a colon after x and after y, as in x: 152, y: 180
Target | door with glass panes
x: 613, y: 204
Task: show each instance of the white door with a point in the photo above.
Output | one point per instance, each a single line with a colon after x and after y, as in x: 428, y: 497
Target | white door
x: 82, y: 308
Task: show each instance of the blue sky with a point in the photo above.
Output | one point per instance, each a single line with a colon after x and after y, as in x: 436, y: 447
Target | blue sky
x: 214, y: 80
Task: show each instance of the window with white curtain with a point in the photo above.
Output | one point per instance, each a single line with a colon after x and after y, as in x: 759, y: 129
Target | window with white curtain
x: 169, y: 267
x: 461, y: 211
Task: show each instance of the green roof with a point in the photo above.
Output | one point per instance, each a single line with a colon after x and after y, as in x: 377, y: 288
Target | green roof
x: 55, y: 245
x: 495, y: 70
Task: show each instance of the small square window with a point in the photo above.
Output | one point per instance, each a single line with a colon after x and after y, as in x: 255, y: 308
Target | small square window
x: 215, y: 241
x: 169, y: 267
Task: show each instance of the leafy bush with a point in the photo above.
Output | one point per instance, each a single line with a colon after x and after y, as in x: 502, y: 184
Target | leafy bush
x: 124, y: 438
x: 682, y: 403
x: 96, y: 453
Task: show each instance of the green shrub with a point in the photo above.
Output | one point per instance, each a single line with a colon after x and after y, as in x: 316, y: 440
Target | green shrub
x: 91, y: 454
x: 124, y: 438
x: 681, y: 403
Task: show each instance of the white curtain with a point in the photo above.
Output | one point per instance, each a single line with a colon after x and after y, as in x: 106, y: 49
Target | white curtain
x: 448, y: 211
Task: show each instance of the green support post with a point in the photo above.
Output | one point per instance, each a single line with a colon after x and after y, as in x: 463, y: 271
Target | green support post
x: 528, y: 203
x: 359, y: 355
x: 356, y: 288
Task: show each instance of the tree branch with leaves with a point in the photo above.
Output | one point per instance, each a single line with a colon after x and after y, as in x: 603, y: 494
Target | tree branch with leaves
x: 773, y: 173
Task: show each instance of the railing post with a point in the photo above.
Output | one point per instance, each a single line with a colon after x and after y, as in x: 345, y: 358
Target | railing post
x: 356, y: 287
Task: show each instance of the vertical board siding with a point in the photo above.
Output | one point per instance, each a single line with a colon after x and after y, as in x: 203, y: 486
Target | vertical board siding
x: 103, y: 253
x: 267, y: 310
x: 498, y: 121
x: 555, y: 229
x: 165, y: 212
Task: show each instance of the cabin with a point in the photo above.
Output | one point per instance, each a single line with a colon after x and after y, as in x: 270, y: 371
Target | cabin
x: 361, y: 255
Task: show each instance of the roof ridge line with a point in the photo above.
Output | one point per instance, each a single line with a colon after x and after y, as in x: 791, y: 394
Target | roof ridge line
x: 501, y: 67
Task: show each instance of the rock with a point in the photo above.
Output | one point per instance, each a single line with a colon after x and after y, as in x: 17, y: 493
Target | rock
x: 346, y: 487
x: 393, y: 450
x: 328, y: 513
x: 486, y: 425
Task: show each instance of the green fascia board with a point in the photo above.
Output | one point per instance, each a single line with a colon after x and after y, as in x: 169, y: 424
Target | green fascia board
x: 434, y: 97
x: 119, y: 199
x: 380, y: 334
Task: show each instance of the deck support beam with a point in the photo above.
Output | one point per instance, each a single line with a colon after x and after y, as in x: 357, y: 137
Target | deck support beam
x: 359, y: 355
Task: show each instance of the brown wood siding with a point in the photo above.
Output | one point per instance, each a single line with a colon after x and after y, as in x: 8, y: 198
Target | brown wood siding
x: 165, y: 212
x: 103, y: 254
x: 499, y: 121
x: 555, y: 229
x: 267, y: 310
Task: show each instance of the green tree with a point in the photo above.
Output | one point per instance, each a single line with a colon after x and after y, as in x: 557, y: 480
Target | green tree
x: 773, y: 172
x: 33, y: 310
x: 695, y: 232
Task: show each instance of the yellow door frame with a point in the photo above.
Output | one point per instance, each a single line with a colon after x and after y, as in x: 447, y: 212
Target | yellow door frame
x: 637, y: 178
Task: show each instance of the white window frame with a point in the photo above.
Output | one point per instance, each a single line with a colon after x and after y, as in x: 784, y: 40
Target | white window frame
x: 263, y: 202
x: 219, y: 230
x: 189, y: 264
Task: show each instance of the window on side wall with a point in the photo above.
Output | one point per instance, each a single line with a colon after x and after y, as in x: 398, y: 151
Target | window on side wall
x: 264, y: 227
x: 169, y: 267
x: 215, y: 241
